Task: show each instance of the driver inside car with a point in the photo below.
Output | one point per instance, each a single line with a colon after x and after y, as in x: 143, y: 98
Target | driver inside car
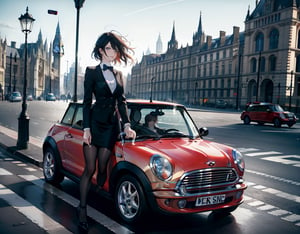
x: 151, y: 124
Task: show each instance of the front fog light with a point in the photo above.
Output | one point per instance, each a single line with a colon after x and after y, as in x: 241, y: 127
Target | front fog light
x: 181, y: 204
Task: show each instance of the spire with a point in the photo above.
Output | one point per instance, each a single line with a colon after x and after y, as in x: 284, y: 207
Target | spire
x: 58, y: 47
x: 40, y: 39
x: 198, y: 37
x: 173, y: 38
x: 159, y: 45
x: 173, y: 44
x: 200, y: 24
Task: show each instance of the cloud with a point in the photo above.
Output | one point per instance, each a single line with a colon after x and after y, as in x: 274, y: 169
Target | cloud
x: 6, y: 26
x: 153, y: 7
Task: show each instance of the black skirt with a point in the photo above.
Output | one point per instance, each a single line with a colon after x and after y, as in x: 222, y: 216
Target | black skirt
x: 104, y: 135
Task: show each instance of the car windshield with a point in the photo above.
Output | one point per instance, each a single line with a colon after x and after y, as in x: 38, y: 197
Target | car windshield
x: 16, y: 94
x: 277, y: 108
x: 162, y: 122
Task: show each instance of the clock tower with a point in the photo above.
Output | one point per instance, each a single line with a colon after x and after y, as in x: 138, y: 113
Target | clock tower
x: 58, y: 52
x: 58, y: 49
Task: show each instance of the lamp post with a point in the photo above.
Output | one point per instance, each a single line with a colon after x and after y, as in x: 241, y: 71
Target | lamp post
x: 78, y: 5
x: 291, y: 86
x: 151, y: 86
x: 26, y: 22
x: 15, y: 71
x: 10, y: 71
x: 258, y: 76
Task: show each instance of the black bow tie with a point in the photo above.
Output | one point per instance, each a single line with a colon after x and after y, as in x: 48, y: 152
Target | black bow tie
x: 105, y: 67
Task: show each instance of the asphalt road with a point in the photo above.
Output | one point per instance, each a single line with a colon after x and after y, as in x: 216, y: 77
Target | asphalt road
x: 272, y: 200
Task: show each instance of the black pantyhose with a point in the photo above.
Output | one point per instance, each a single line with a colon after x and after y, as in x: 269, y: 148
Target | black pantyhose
x: 91, y: 154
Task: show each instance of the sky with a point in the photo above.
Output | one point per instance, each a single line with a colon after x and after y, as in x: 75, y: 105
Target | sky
x: 140, y: 21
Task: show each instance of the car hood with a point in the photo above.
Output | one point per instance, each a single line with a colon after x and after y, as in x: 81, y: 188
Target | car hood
x: 192, y: 154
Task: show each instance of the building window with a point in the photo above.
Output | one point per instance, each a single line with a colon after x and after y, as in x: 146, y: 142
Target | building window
x: 272, y: 63
x: 274, y: 37
x: 253, y: 65
x: 259, y: 42
x: 298, y: 44
x: 298, y: 86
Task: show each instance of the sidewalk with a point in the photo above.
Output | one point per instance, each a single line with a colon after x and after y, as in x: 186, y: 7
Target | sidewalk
x: 34, y: 153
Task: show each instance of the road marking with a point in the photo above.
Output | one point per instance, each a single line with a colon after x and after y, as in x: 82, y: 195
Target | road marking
x: 285, y: 159
x: 293, y: 159
x: 262, y: 153
x: 274, y: 177
x: 4, y: 172
x: 93, y: 213
x: 30, y: 211
x: 273, y: 210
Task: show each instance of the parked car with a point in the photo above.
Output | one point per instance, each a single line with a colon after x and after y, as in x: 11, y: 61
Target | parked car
x: 262, y: 113
x: 176, y: 171
x: 29, y: 97
x: 15, y: 97
x: 50, y: 97
x: 221, y: 103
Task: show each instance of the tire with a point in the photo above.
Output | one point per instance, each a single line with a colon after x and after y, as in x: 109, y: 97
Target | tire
x: 290, y: 125
x: 247, y: 120
x: 130, y: 199
x: 277, y: 123
x: 52, y: 167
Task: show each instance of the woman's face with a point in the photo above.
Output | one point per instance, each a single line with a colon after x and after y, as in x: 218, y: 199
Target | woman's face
x: 109, y: 55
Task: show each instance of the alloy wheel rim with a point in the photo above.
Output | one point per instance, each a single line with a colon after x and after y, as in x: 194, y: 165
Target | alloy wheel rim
x: 128, y: 200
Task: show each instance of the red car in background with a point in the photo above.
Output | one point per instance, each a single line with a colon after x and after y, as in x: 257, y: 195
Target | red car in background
x: 262, y: 113
x: 175, y: 171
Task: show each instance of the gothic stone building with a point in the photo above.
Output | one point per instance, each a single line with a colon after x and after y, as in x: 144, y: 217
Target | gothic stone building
x: 43, y: 66
x: 229, y: 67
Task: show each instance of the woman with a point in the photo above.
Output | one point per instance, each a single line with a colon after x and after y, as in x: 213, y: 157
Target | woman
x: 100, y: 121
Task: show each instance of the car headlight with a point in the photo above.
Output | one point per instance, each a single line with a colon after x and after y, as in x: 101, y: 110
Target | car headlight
x: 161, y: 167
x: 238, y: 159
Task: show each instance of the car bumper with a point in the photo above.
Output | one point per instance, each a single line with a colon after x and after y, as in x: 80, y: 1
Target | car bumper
x: 170, y: 202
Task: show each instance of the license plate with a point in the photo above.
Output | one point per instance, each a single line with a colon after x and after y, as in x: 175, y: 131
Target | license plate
x: 210, y: 200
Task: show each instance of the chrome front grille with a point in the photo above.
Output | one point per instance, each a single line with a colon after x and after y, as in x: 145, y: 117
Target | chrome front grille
x: 212, y: 179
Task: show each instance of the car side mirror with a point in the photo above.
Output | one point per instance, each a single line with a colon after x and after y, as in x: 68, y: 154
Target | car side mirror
x: 203, y: 131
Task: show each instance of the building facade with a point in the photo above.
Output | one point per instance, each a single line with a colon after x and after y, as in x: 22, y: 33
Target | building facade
x: 43, y: 67
x: 229, y: 67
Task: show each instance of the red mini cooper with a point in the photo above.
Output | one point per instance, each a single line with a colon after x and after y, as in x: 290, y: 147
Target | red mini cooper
x: 172, y: 169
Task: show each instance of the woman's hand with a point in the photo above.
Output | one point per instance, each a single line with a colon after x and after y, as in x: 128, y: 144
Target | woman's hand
x: 129, y: 132
x: 87, y: 137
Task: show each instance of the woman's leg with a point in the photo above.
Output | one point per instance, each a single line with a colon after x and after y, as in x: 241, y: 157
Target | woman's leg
x: 90, y: 156
x: 103, y: 157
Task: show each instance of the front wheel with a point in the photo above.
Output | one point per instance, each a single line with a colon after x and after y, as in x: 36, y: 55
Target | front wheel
x: 277, y: 123
x: 247, y: 120
x: 51, y: 167
x: 130, y: 200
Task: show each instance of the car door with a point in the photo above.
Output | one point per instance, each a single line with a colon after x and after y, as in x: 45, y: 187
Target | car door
x: 73, y: 142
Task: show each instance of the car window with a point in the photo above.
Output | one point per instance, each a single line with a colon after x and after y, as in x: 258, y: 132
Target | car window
x: 68, y: 117
x: 167, y: 119
x: 77, y: 122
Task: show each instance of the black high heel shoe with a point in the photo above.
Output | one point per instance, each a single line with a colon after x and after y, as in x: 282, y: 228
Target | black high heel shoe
x: 83, y: 225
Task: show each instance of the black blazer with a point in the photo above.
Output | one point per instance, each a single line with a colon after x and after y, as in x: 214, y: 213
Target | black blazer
x: 104, y: 108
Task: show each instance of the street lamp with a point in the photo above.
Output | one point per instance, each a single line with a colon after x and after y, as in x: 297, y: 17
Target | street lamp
x: 26, y: 22
x: 78, y: 5
x: 291, y: 86
x: 151, y: 86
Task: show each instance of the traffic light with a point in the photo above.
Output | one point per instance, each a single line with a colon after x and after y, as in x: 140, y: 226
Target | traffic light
x: 52, y: 12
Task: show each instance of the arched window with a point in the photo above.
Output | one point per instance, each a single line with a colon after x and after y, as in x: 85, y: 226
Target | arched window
x: 259, y: 42
x: 272, y: 63
x: 298, y: 44
x: 253, y: 65
x: 298, y: 63
x: 274, y: 37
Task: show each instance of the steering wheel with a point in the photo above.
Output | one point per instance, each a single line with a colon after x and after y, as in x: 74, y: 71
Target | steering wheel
x: 171, y: 130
